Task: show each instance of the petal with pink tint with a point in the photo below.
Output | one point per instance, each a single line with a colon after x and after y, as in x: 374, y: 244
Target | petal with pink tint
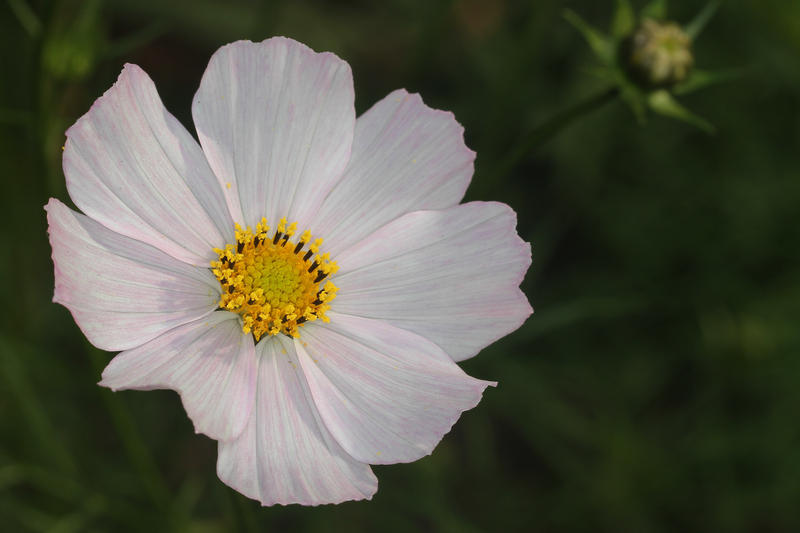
x: 450, y: 275
x: 406, y: 157
x: 386, y: 394
x: 131, y: 166
x: 276, y: 122
x: 285, y: 455
x: 122, y: 292
x: 209, y: 362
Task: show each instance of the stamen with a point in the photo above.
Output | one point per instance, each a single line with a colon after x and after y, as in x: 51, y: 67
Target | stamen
x: 269, y: 284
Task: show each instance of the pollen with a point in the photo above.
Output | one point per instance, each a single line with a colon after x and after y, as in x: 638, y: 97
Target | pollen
x: 273, y: 281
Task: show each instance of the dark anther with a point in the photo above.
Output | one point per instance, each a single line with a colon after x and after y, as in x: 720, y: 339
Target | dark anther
x: 285, y: 239
x: 230, y: 289
x: 257, y: 241
x: 320, y: 276
x: 308, y: 255
x: 224, y: 259
x: 313, y: 267
x: 240, y: 247
x: 258, y: 318
x: 277, y: 236
x: 301, y: 320
x: 298, y: 247
x: 285, y: 319
x: 250, y: 301
x: 316, y: 302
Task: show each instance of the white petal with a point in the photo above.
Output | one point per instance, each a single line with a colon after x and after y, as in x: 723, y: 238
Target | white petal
x: 131, y: 166
x: 451, y: 276
x: 122, y: 292
x: 285, y: 455
x: 387, y: 395
x: 209, y: 362
x: 406, y: 157
x: 276, y: 122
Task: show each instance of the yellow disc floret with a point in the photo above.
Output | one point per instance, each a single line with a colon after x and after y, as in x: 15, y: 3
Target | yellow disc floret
x: 271, y: 282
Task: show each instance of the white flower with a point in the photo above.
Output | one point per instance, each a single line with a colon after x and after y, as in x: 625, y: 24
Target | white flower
x: 174, y: 264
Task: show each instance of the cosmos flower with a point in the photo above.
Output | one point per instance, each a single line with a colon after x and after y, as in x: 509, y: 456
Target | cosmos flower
x: 305, y: 280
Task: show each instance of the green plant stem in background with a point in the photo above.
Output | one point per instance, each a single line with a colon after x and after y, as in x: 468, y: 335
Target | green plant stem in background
x: 135, y: 40
x: 549, y: 129
x: 26, y: 16
x: 14, y: 379
x: 137, y: 451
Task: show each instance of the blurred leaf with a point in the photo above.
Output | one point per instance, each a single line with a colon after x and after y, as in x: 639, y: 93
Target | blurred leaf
x: 657, y: 9
x: 79, y: 520
x: 185, y: 500
x: 26, y: 17
x: 548, y: 129
x: 42, y: 479
x: 38, y: 422
x: 624, y: 20
x: 138, y: 453
x: 15, y: 116
x: 663, y: 103
x: 32, y: 518
x: 599, y: 43
x: 210, y: 21
x: 602, y: 72
x: 73, y: 41
x: 699, y: 22
x: 634, y: 97
x: 700, y: 79
x: 573, y: 312
x: 136, y: 40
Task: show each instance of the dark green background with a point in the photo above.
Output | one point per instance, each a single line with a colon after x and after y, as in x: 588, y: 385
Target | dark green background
x: 657, y: 386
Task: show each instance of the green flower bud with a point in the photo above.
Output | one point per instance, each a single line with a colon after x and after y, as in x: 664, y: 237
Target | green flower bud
x: 658, y: 54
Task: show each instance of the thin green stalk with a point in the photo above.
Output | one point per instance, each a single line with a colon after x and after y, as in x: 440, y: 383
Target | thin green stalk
x: 549, y: 129
x: 135, y: 447
x: 26, y: 16
x: 13, y: 372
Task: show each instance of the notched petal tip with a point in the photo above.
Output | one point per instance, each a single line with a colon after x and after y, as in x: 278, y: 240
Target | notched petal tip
x: 120, y: 292
x: 454, y: 276
x: 285, y: 455
x: 128, y: 70
x: 130, y: 165
x: 207, y: 362
x: 433, y: 113
x: 276, y: 41
x: 292, y: 123
x: 386, y: 395
x: 406, y: 157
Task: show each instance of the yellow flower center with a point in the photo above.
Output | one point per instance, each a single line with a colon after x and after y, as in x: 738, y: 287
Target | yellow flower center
x: 272, y: 282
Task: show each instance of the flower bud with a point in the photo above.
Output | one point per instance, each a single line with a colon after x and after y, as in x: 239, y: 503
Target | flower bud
x: 658, y: 54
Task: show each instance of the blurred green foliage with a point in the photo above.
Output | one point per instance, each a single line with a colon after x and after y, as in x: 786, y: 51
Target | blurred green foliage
x: 655, y: 389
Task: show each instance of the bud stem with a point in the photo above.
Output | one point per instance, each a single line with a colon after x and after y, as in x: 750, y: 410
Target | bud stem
x: 549, y: 129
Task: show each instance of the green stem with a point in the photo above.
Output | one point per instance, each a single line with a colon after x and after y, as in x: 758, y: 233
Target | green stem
x: 133, y: 443
x: 19, y: 385
x: 549, y: 129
